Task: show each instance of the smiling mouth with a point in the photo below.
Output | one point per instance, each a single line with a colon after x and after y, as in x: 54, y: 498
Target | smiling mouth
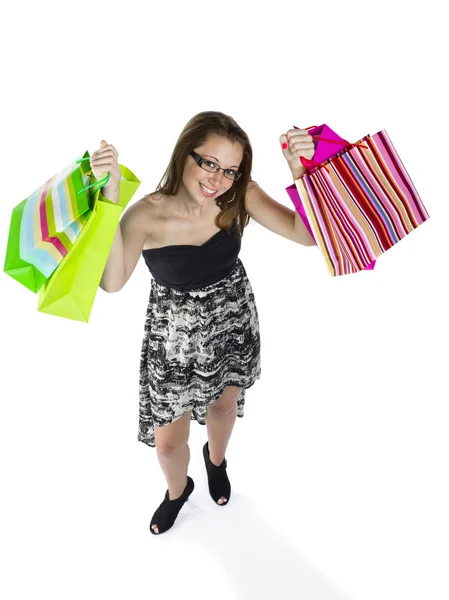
x: 208, y: 191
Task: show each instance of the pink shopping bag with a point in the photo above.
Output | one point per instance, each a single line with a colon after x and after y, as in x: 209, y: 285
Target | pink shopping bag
x: 328, y: 144
x: 360, y: 202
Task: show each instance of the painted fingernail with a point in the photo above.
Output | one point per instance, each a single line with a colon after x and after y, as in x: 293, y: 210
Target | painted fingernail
x: 284, y: 145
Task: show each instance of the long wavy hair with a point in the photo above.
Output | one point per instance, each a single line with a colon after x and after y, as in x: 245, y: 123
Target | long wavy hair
x: 195, y: 133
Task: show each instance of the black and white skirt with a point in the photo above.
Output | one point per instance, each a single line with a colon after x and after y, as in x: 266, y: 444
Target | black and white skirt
x: 196, y: 343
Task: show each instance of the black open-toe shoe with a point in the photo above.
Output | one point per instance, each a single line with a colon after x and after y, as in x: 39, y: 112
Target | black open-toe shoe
x: 166, y: 514
x: 217, y: 478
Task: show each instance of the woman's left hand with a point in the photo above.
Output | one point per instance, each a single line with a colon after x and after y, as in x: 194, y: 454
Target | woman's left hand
x: 298, y: 143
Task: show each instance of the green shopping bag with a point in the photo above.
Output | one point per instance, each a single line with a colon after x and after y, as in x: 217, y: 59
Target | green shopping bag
x: 71, y: 289
x: 19, y: 269
x: 45, y: 225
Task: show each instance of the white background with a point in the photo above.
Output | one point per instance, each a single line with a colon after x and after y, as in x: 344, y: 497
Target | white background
x: 339, y: 467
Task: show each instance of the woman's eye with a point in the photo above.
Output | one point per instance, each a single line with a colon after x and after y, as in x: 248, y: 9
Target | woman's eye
x: 210, y: 163
x: 230, y: 171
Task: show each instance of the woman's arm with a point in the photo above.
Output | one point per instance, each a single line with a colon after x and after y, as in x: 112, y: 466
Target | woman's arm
x: 300, y: 229
x: 275, y: 216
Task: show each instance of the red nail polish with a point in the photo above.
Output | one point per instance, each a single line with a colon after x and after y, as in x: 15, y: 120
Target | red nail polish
x: 284, y: 145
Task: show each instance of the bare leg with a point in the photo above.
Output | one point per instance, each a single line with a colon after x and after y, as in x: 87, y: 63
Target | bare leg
x: 220, y: 424
x: 173, y: 453
x: 174, y: 464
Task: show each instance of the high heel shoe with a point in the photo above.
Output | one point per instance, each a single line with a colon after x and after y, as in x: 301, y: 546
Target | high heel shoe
x: 166, y: 514
x: 217, y: 478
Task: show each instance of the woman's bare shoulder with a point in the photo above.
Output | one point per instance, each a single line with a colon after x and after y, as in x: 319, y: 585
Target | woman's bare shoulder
x: 153, y: 211
x: 143, y: 213
x: 148, y: 205
x: 154, y: 202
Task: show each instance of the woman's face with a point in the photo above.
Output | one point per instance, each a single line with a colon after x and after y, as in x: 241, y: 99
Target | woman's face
x: 222, y: 152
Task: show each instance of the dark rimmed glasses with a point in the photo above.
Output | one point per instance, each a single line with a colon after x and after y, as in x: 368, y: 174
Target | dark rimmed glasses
x: 212, y: 167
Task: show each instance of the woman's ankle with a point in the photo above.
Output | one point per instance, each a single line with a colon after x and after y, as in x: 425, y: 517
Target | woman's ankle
x: 175, y: 492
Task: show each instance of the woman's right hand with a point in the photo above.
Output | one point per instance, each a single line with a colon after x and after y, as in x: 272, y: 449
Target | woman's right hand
x: 105, y: 160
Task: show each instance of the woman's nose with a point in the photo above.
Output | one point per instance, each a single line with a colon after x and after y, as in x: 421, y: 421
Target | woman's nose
x: 216, y: 178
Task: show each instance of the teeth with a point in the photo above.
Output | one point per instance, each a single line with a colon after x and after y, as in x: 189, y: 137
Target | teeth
x: 207, y: 189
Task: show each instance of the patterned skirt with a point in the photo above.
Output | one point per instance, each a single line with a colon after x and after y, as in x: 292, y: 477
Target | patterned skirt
x: 196, y: 343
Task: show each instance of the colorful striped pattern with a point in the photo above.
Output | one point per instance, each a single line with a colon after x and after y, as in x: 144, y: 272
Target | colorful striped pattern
x: 53, y: 217
x: 364, y: 205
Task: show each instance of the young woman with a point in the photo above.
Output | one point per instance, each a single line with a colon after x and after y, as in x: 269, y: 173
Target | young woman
x: 201, y: 343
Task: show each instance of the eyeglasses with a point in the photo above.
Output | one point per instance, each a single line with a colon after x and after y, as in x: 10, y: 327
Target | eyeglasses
x: 210, y: 166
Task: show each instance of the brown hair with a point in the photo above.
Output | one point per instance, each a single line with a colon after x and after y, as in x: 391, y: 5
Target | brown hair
x: 195, y: 133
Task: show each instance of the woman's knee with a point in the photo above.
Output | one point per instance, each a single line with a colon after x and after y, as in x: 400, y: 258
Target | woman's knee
x: 170, y: 438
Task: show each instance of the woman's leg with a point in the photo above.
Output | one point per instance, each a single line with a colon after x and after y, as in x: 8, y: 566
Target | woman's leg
x: 220, y: 419
x: 173, y: 453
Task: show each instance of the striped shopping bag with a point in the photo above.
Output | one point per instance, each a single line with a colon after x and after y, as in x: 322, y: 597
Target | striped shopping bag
x: 71, y: 288
x: 328, y: 143
x: 54, y: 215
x: 359, y: 203
x: 45, y: 225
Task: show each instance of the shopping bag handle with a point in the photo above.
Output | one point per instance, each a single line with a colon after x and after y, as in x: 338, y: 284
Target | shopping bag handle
x: 309, y: 164
x: 100, y: 183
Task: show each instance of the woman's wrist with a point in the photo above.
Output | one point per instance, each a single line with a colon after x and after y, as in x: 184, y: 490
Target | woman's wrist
x: 297, y: 172
x: 110, y: 192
